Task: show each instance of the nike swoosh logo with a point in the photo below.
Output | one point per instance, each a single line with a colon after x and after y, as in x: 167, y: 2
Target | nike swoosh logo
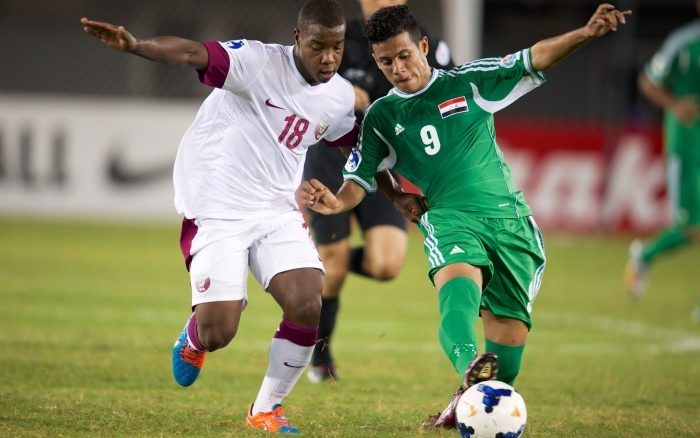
x: 272, y: 105
x: 121, y: 174
x: 293, y: 366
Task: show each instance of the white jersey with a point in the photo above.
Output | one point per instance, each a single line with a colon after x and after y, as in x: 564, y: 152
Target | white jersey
x: 243, y: 155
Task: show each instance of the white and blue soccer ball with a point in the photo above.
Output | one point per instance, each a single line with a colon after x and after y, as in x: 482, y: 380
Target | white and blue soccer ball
x: 491, y: 409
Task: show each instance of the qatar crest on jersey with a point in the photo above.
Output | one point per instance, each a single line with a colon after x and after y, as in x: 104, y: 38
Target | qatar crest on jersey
x: 354, y: 160
x: 321, y: 128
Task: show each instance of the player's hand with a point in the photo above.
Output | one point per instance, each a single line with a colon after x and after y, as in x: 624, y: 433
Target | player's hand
x: 686, y: 110
x: 361, y: 99
x: 411, y: 205
x: 318, y: 197
x: 113, y: 36
x: 605, y: 19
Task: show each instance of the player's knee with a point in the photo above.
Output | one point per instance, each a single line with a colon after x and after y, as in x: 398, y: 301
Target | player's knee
x: 215, y: 339
x: 384, y: 270
x: 305, y: 313
x: 310, y: 311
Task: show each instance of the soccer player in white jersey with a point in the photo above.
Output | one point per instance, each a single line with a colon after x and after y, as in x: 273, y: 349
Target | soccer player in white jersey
x: 235, y: 175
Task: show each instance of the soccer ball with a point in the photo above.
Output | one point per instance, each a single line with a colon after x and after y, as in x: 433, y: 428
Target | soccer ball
x: 491, y: 409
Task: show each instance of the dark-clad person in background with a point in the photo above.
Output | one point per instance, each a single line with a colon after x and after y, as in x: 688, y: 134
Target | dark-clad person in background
x: 381, y: 256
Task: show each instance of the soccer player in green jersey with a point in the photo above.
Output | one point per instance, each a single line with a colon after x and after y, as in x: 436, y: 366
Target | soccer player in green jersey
x: 436, y: 128
x: 672, y: 82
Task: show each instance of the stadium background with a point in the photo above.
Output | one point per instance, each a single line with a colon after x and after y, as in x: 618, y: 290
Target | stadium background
x: 86, y: 131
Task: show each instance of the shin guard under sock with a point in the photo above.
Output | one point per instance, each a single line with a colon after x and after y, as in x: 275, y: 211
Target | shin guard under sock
x: 459, y: 299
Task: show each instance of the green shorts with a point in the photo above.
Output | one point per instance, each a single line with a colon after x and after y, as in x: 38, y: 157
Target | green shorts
x: 510, y: 253
x: 683, y: 174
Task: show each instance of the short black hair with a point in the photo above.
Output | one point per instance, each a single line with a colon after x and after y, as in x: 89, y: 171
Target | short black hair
x: 327, y: 13
x: 391, y: 21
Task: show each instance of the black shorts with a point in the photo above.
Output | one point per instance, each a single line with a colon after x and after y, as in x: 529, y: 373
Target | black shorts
x: 326, y: 165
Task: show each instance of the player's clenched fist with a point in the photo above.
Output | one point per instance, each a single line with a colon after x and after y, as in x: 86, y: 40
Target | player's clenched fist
x: 113, y: 36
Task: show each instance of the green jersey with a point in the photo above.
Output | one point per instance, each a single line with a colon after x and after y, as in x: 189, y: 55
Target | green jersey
x: 676, y: 66
x: 442, y: 137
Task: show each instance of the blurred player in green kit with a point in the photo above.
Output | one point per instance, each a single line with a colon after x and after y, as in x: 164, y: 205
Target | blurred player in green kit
x: 436, y: 128
x: 671, y: 80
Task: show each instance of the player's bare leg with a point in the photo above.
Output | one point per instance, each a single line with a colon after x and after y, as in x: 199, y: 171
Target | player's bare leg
x: 505, y: 338
x: 210, y: 327
x: 384, y: 252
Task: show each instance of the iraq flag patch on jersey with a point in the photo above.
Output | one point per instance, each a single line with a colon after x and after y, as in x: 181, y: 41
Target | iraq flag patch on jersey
x: 453, y: 106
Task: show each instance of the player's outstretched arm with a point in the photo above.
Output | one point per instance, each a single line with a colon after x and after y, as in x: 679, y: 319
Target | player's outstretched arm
x: 320, y: 199
x: 547, y: 53
x: 166, y: 49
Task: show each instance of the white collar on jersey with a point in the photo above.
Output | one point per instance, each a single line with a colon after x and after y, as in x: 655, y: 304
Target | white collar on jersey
x: 433, y: 76
x: 297, y: 73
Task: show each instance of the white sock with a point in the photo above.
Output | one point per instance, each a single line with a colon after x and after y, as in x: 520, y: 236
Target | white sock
x: 287, y: 361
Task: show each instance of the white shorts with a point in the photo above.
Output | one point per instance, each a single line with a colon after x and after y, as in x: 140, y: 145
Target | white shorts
x: 222, y: 251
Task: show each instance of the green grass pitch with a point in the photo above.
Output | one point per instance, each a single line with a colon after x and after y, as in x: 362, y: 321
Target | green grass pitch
x: 90, y: 311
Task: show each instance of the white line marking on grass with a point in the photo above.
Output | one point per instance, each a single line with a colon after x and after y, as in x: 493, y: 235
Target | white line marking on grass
x: 682, y: 346
x: 631, y: 337
x: 659, y: 339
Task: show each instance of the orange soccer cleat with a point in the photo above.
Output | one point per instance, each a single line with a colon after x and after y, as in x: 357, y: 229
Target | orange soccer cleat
x: 272, y: 421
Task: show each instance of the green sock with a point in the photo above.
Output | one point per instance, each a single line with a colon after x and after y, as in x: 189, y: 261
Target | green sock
x: 669, y: 239
x: 509, y: 359
x: 460, y: 299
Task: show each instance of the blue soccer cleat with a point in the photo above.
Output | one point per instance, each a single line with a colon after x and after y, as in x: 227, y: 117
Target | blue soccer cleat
x: 187, y: 361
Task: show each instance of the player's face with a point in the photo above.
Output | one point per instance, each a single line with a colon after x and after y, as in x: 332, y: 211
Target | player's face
x: 318, y: 51
x: 403, y: 62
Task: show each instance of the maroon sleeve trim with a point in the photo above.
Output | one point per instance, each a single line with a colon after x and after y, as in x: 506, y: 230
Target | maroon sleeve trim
x: 217, y: 69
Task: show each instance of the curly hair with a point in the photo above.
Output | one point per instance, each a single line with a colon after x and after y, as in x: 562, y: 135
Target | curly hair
x: 391, y: 21
x: 327, y: 13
